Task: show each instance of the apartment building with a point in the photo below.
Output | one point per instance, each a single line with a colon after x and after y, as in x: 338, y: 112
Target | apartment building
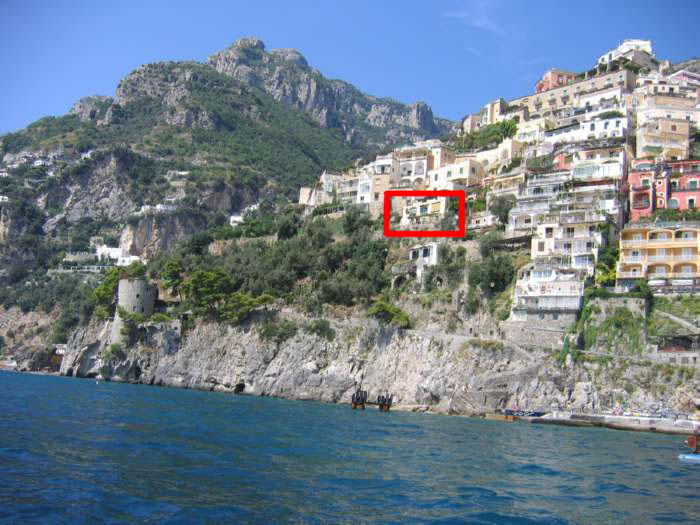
x: 421, y: 210
x: 548, y: 103
x: 459, y: 175
x: 323, y: 192
x: 654, y: 187
x: 494, y: 159
x: 535, y: 197
x: 663, y: 138
x: 574, y: 238
x: 666, y: 254
x: 554, y: 78
x: 544, y: 291
x: 632, y: 49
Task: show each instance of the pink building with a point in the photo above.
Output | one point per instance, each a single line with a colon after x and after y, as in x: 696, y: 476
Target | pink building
x: 654, y: 187
x: 554, y: 78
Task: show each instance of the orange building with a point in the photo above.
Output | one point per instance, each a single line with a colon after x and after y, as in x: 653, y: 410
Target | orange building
x: 554, y: 78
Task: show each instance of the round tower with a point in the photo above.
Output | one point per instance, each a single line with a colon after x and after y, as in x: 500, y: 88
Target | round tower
x: 135, y: 296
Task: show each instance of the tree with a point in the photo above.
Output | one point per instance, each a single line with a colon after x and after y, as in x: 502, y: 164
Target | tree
x: 238, y: 305
x: 493, y: 275
x: 288, y: 226
x: 206, y: 289
x: 500, y: 207
x: 171, y: 275
x: 388, y: 313
x: 507, y: 129
x: 355, y: 219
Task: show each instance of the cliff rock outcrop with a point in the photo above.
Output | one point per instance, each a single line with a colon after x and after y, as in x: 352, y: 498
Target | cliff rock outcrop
x: 158, y: 233
x: 286, y: 75
x: 424, y: 370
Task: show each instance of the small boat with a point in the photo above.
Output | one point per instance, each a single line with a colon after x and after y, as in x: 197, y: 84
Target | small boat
x: 689, y: 458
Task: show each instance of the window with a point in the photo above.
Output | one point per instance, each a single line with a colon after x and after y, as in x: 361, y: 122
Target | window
x: 461, y: 172
x: 692, y: 184
x: 674, y: 184
x: 414, y: 254
x: 593, y: 126
x: 473, y: 171
x: 691, y: 203
x: 540, y: 246
x: 436, y: 175
x: 555, y: 317
x: 426, y: 252
x: 548, y: 232
x: 617, y: 123
x: 606, y: 125
x: 674, y: 127
x: 673, y: 203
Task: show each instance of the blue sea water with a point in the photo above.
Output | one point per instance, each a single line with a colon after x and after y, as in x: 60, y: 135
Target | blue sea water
x: 74, y: 451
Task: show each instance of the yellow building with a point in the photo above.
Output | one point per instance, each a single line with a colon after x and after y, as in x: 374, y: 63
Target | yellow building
x: 661, y: 251
x: 663, y: 138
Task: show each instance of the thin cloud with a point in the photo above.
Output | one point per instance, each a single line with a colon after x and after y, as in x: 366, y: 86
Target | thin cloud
x: 474, y: 51
x: 478, y: 16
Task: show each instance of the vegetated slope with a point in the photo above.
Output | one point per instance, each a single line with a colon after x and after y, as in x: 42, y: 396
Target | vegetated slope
x: 190, y: 116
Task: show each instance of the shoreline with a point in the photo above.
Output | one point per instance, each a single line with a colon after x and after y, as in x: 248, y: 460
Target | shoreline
x: 562, y: 418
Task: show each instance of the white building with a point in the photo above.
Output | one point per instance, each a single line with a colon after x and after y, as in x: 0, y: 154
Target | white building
x: 630, y: 48
x: 4, y: 198
x: 147, y: 209
x: 458, y: 175
x: 105, y: 252
x: 545, y: 291
x: 126, y: 260
x: 235, y: 219
x: 424, y: 256
x: 480, y: 220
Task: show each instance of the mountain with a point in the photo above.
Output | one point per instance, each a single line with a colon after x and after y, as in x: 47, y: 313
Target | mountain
x: 692, y: 65
x: 287, y: 77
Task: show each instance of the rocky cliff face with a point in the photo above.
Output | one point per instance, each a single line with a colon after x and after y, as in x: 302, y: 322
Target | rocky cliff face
x: 158, y: 233
x: 424, y: 370
x: 285, y: 74
x: 92, y: 191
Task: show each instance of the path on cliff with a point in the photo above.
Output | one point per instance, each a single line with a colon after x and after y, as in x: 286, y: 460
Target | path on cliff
x: 686, y: 324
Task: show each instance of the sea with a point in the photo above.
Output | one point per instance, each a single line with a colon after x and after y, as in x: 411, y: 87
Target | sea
x: 77, y: 451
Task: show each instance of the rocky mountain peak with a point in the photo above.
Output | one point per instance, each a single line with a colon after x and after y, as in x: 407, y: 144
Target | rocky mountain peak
x: 288, y: 78
x: 249, y: 43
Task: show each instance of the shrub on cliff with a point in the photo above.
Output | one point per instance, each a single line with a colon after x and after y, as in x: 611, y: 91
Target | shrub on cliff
x: 278, y: 331
x: 493, y: 274
x: 389, y: 313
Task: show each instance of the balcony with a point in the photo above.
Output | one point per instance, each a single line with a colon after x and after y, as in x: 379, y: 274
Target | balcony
x: 659, y: 240
x: 632, y: 243
x: 632, y: 259
x: 630, y: 275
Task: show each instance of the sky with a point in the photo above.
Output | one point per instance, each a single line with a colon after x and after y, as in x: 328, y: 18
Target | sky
x: 456, y: 55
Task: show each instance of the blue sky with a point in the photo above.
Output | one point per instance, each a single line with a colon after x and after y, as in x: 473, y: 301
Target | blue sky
x: 453, y: 54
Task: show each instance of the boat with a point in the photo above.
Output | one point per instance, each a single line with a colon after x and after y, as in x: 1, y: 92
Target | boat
x: 689, y: 458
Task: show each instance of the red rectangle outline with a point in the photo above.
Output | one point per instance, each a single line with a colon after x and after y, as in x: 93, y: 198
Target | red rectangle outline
x: 462, y: 220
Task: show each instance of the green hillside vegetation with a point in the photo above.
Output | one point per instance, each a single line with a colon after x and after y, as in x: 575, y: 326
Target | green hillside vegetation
x: 254, y: 139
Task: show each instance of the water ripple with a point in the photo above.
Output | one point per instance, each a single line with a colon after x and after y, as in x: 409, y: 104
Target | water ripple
x: 72, y: 451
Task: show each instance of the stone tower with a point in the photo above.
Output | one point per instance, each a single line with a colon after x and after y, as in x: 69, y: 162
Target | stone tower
x: 135, y: 296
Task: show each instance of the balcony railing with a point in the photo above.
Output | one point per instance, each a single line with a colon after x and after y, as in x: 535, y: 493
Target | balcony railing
x: 629, y: 275
x: 633, y: 242
x: 661, y: 240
